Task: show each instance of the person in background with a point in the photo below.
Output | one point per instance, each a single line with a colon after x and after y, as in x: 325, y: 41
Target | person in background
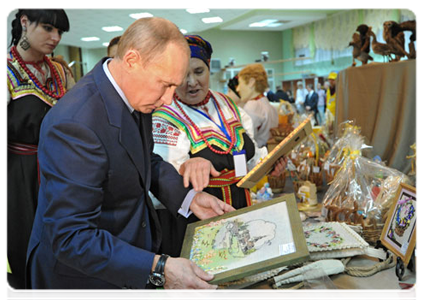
x: 321, y: 104
x: 95, y: 225
x: 232, y: 93
x: 290, y: 98
x: 279, y: 95
x: 310, y: 103
x: 326, y: 86
x: 300, y: 97
x: 112, y: 47
x: 252, y: 84
x: 201, y: 134
x: 331, y: 93
x: 35, y: 83
x: 61, y: 60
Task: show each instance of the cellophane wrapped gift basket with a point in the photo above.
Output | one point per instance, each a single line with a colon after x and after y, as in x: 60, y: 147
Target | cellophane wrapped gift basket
x: 349, y: 142
x: 307, y: 158
x: 362, y: 193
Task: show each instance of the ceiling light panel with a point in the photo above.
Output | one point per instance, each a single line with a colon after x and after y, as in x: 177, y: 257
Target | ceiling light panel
x: 212, y: 20
x: 276, y: 24
x: 112, y: 28
x: 140, y: 15
x: 90, y: 39
x: 263, y: 23
x: 198, y: 10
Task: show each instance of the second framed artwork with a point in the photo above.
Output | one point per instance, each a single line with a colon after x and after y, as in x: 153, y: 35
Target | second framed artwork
x: 248, y: 241
x: 399, y: 232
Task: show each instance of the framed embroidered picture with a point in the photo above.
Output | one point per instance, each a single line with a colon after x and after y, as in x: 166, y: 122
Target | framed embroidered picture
x: 248, y: 241
x: 399, y: 232
x: 333, y: 240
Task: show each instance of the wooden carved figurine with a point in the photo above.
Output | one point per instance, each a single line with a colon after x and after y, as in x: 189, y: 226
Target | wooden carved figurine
x: 358, y: 53
x: 380, y: 48
x: 361, y: 45
x: 410, y: 26
x: 394, y: 37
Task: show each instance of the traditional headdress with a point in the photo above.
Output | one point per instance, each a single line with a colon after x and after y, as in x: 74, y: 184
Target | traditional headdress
x: 200, y: 48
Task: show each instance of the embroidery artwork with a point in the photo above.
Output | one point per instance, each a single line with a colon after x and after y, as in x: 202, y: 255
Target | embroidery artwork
x: 333, y: 239
x: 323, y: 237
x: 243, y: 240
x: 403, y: 221
x: 403, y: 218
x: 399, y: 232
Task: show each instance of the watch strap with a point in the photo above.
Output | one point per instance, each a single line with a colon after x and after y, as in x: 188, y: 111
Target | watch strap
x: 161, y: 264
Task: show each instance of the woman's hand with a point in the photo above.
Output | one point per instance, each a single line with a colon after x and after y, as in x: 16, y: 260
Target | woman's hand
x: 279, y: 166
x: 197, y: 170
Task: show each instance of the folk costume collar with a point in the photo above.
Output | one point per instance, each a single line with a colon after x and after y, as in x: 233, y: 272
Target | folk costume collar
x: 210, y: 131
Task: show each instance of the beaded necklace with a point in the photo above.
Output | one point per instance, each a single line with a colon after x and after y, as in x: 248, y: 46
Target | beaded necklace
x: 232, y: 136
x: 15, y: 54
x: 204, y: 102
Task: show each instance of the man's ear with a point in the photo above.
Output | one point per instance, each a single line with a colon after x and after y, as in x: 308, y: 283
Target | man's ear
x: 252, y: 82
x: 132, y: 58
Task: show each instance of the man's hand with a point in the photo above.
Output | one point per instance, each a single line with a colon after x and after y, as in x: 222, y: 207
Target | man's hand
x: 206, y: 206
x: 279, y: 166
x: 182, y: 273
x: 197, y: 170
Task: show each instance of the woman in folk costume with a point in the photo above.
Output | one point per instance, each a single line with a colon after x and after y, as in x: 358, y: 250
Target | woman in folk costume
x: 35, y: 84
x: 208, y: 139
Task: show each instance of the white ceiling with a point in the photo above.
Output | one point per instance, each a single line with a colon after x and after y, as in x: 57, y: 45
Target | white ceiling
x: 88, y: 22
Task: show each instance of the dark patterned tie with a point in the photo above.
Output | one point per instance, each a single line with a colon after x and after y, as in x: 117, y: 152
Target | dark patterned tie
x: 137, y: 117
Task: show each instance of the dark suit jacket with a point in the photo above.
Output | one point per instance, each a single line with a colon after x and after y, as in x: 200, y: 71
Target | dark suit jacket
x: 95, y: 225
x: 275, y: 97
x: 311, y: 100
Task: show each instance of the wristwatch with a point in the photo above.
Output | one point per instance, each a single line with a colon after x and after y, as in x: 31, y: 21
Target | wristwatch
x: 157, y: 277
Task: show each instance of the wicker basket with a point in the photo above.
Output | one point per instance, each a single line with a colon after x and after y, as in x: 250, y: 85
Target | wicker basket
x: 297, y: 184
x: 371, y: 234
x: 277, y: 183
x: 317, y: 179
x: 296, y: 159
x: 330, y: 174
x: 344, y: 215
x: 281, y: 132
x: 304, y: 172
x: 371, y: 230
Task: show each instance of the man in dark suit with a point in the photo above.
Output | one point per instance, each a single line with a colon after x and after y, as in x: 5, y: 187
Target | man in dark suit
x: 310, y: 103
x: 95, y: 225
x: 279, y: 95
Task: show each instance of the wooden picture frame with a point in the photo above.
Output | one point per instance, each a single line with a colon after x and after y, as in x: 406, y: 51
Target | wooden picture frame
x: 248, y: 241
x: 399, y: 232
x: 284, y: 147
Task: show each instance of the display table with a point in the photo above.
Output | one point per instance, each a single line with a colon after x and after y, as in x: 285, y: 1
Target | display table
x: 383, y: 286
x: 381, y: 99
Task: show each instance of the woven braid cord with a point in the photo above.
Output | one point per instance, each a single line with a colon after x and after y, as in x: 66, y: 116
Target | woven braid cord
x: 352, y: 271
